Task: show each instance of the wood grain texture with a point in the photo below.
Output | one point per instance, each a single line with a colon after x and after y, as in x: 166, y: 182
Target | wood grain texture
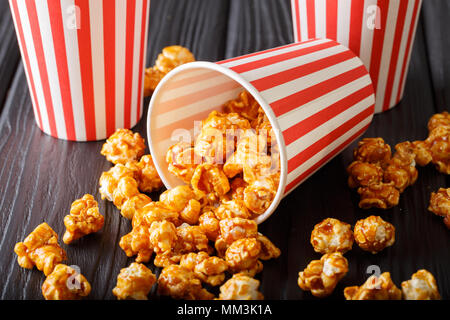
x: 41, y: 176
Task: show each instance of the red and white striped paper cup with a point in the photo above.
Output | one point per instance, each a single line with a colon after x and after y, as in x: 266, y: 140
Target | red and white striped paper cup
x: 84, y: 62
x: 380, y: 32
x: 317, y: 95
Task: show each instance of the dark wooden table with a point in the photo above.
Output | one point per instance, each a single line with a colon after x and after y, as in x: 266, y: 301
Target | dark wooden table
x: 41, y: 176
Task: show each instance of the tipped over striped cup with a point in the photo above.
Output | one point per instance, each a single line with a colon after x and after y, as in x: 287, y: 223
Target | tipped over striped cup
x: 84, y: 63
x: 380, y: 32
x: 317, y: 95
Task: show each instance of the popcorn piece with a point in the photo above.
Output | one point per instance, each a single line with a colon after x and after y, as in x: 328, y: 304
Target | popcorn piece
x: 382, y: 196
x: 165, y: 259
x: 209, y: 224
x: 244, y: 105
x: 232, y: 209
x: 321, y: 276
x: 145, y: 174
x: 440, y: 204
x: 439, y: 119
x: 243, y: 254
x: 240, y: 287
x: 237, y: 228
x: 152, y: 77
x: 134, y: 204
x: 439, y: 146
x: 126, y: 189
x: 372, y: 150
x: 332, y: 235
x: 123, y: 146
x: 84, y: 218
x: 155, y: 211
x: 209, y: 179
x: 401, y: 169
x: 208, y: 269
x: 422, y: 286
x: 134, y: 282
x: 237, y: 187
x: 423, y: 155
x: 362, y: 174
x: 375, y: 288
x: 41, y: 249
x: 182, y: 161
x: 180, y: 283
x: 268, y: 249
x: 137, y: 242
x: 259, y: 195
x: 110, y: 179
x: 191, y: 239
x: 374, y: 234
x: 163, y: 235
x: 65, y: 283
x: 183, y: 200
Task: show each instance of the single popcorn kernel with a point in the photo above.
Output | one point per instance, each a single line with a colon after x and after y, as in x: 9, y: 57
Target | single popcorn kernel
x: 237, y: 228
x: 423, y: 155
x: 372, y: 150
x: 209, y: 224
x: 321, y: 276
x: 240, y: 287
x: 422, y: 286
x: 232, y: 209
x: 208, y: 269
x: 134, y: 282
x: 244, y: 105
x: 374, y: 234
x: 183, y: 200
x: 243, y: 254
x: 126, y: 189
x: 110, y: 179
x: 65, y: 283
x: 123, y: 146
x: 258, y: 196
x: 134, y: 204
x: 162, y: 235
x: 439, y: 119
x: 332, y: 235
x: 191, y: 239
x: 440, y: 204
x: 84, y: 218
x: 268, y: 249
x: 375, y: 288
x: 362, y: 174
x: 145, y: 174
x: 210, y: 180
x: 182, y: 161
x: 41, y: 249
x: 382, y: 196
x: 401, y: 169
x: 152, y: 77
x: 439, y: 146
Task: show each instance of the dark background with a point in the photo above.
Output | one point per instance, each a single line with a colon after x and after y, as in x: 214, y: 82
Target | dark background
x: 41, y: 176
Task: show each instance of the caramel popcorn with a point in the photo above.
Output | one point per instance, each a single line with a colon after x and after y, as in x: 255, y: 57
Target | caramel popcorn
x: 210, y: 270
x: 191, y: 239
x: 134, y: 204
x: 209, y: 224
x: 209, y: 179
x: 422, y: 286
x: 134, y: 282
x: 182, y: 161
x: 110, y: 179
x: 243, y: 254
x: 232, y: 209
x: 166, y: 259
x: 374, y: 234
x: 439, y: 119
x: 123, y: 146
x: 145, y: 174
x: 401, y: 169
x: 152, y: 77
x: 372, y: 150
x: 440, y: 204
x: 332, y: 235
x: 41, y: 249
x: 163, y: 235
x: 375, y: 288
x: 439, y: 146
x: 65, y: 283
x: 126, y: 189
x: 155, y: 211
x: 183, y: 200
x: 240, y: 287
x: 245, y: 105
x: 237, y: 228
x: 181, y: 283
x: 423, y: 155
x: 363, y: 174
x: 259, y: 195
x: 268, y: 249
x: 382, y: 196
x: 84, y: 218
x: 321, y: 276
x: 137, y: 242
x: 237, y: 187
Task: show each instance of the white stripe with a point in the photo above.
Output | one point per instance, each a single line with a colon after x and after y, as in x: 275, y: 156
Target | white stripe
x: 136, y: 72
x: 191, y: 74
x: 318, y: 133
x: 343, y: 21
x: 144, y: 59
x: 303, y: 20
x: 52, y: 69
x: 34, y: 66
x: 98, y: 66
x: 321, y: 18
x: 386, y: 55
x: 121, y: 19
x: 286, y: 89
x: 273, y: 53
x: 74, y: 70
x: 307, y: 110
x: 294, y: 20
x: 366, y: 36
x: 323, y: 153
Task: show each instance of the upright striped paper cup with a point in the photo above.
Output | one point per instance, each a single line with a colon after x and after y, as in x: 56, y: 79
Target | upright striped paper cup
x: 380, y: 32
x: 317, y: 95
x: 84, y: 63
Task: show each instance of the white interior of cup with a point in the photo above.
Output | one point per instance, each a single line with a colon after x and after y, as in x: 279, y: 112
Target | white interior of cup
x: 188, y: 94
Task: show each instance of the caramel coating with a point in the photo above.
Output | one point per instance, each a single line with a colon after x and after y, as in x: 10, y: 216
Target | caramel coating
x: 182, y: 161
x: 191, y: 239
x: 163, y: 235
x: 209, y: 179
x: 84, y: 218
x: 232, y: 209
x: 382, y: 196
x: 422, y: 286
x: 237, y: 228
x: 145, y: 174
x: 183, y: 200
x: 210, y: 270
x: 244, y: 105
x: 134, y: 282
x: 423, y: 155
x: 440, y: 204
x: 372, y: 150
x: 243, y: 254
x: 123, y: 146
x: 240, y: 287
x: 439, y: 146
x: 134, y: 204
x: 109, y: 180
x: 127, y: 188
x: 374, y: 234
x: 65, y: 283
x: 439, y: 119
x: 152, y: 77
x: 321, y: 276
x: 363, y: 174
x: 401, y: 169
x: 375, y: 288
x: 209, y: 224
x: 258, y: 196
x: 268, y: 249
x: 332, y: 235
x: 41, y: 249
x: 181, y: 283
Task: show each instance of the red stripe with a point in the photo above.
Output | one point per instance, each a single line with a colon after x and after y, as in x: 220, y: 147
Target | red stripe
x: 307, y: 125
x: 141, y: 61
x: 26, y: 59
x: 311, y: 15
x: 408, y: 49
x: 85, y: 54
x: 325, y: 141
x: 401, y: 16
x: 297, y: 16
x: 57, y: 25
x: 129, y: 47
x: 356, y: 22
x: 38, y: 46
x: 300, y: 98
x: 281, y: 57
x: 332, y: 14
x: 378, y: 40
x: 324, y: 160
x: 109, y: 44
